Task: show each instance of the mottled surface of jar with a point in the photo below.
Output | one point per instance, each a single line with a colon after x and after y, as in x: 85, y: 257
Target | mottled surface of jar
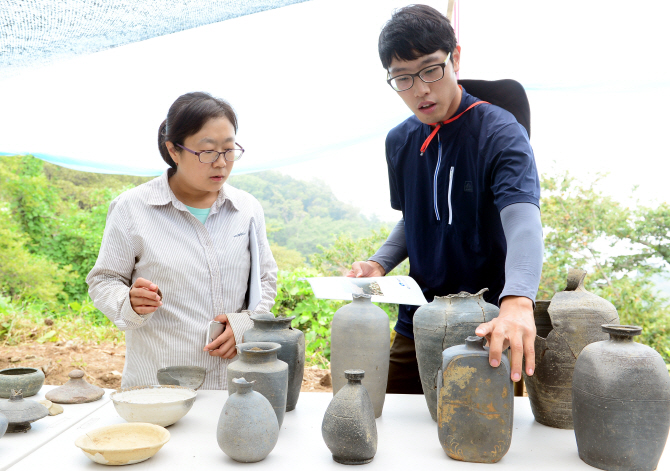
x: 565, y: 325
x: 475, y: 404
x: 248, y: 429
x: 360, y: 340
x: 621, y: 402
x: 441, y: 324
x: 268, y: 328
x: 349, y: 428
x: 258, y: 362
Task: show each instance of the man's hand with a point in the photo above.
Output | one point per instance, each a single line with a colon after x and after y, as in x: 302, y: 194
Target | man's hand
x: 144, y: 297
x: 224, y: 345
x: 366, y: 270
x: 515, y: 327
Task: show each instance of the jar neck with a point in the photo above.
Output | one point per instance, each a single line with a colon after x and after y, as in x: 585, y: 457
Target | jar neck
x: 621, y: 338
x: 258, y: 356
x: 279, y: 323
x: 362, y: 299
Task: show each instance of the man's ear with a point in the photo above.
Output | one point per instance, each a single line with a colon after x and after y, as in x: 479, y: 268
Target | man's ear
x: 456, y: 57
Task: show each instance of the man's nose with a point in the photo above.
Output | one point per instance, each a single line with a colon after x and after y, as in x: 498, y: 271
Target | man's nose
x: 421, y: 88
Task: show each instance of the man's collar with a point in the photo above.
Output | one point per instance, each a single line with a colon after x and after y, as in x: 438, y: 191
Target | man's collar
x: 162, y: 194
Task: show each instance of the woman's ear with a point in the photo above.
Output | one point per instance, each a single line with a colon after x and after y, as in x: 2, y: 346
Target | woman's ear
x: 173, y: 151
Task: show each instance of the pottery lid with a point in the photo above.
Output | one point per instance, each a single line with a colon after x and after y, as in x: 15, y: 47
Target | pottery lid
x: 19, y: 410
x: 76, y: 391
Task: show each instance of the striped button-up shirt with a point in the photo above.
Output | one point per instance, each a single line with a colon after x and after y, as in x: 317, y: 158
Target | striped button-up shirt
x: 202, y: 271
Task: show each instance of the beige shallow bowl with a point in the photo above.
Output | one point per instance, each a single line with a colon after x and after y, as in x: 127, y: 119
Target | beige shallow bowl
x: 159, y: 405
x: 123, y: 443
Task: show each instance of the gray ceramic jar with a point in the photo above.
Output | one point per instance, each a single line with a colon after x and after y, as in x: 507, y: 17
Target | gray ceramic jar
x: 248, y: 428
x: 349, y: 428
x: 621, y: 402
x: 565, y: 325
x: 28, y: 380
x: 257, y: 362
x: 268, y: 328
x: 475, y: 406
x: 360, y: 339
x: 441, y: 324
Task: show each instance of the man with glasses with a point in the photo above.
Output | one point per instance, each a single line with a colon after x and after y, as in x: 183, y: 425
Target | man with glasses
x: 463, y: 173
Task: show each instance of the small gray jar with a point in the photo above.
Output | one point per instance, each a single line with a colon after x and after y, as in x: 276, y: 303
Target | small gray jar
x: 248, y: 427
x: 349, y: 428
x: 268, y: 328
x: 258, y: 362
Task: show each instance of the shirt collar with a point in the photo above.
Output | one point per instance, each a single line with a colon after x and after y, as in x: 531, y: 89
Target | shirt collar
x: 162, y: 194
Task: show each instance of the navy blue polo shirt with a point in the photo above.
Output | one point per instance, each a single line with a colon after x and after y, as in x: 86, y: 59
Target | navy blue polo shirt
x: 451, y: 198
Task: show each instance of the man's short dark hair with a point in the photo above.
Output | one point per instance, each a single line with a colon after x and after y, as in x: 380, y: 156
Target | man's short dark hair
x: 414, y: 31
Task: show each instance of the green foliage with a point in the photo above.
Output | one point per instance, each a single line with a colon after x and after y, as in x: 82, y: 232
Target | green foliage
x: 287, y: 259
x: 24, y: 275
x: 302, y: 215
x: 622, y: 249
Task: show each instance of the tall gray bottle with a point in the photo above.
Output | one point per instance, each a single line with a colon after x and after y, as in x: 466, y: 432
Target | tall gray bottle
x: 621, y: 402
x: 475, y: 406
x: 361, y: 340
x: 268, y: 328
x: 248, y: 428
x: 441, y: 324
x: 349, y: 428
x: 565, y: 325
x: 257, y: 362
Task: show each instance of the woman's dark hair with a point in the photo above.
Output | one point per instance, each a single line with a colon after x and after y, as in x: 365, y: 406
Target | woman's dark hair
x: 187, y: 115
x: 414, y: 31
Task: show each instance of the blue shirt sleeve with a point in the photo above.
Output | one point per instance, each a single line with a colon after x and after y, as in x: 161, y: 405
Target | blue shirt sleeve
x: 513, y: 173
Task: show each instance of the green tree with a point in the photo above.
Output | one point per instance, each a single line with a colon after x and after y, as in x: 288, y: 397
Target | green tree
x: 622, y: 248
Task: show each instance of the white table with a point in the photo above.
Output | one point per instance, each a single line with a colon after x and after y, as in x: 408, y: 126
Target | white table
x: 407, y: 439
x: 16, y: 446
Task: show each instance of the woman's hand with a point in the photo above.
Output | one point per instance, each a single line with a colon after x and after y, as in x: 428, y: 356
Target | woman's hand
x: 224, y: 345
x: 144, y: 297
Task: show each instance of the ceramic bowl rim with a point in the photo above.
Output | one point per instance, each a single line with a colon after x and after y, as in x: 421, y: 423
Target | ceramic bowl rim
x: 34, y: 370
x: 155, y: 386
x: 165, y: 437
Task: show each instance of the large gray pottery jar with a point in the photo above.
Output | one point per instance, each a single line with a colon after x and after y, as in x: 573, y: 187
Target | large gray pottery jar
x: 621, y: 402
x: 349, y: 428
x: 268, y: 328
x: 565, y: 325
x: 475, y: 404
x: 4, y: 423
x: 29, y: 380
x: 441, y: 324
x: 360, y: 339
x: 257, y: 362
x: 248, y: 428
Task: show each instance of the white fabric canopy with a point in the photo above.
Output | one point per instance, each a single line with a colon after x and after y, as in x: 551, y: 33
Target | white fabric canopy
x: 306, y: 80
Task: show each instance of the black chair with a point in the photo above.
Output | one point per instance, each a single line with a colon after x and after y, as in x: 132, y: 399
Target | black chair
x: 507, y: 94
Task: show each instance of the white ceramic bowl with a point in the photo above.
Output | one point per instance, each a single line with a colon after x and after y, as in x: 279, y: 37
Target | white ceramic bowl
x: 160, y: 405
x: 123, y: 443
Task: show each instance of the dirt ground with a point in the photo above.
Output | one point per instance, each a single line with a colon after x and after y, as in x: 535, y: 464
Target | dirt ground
x: 103, y: 364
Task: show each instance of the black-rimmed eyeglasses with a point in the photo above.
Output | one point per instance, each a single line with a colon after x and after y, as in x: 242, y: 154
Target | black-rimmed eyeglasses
x: 209, y: 156
x: 429, y: 74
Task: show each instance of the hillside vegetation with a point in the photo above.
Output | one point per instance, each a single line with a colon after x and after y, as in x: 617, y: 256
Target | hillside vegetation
x: 52, y: 220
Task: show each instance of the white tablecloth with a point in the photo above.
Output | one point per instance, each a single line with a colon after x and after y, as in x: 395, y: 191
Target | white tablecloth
x: 15, y: 446
x: 407, y: 440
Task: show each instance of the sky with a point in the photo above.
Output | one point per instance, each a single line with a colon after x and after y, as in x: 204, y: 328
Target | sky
x: 312, y: 100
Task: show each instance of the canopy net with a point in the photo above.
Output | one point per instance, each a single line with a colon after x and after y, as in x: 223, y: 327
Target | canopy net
x: 36, y: 32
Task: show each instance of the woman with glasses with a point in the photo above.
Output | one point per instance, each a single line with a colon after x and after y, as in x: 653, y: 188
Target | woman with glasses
x: 177, y: 251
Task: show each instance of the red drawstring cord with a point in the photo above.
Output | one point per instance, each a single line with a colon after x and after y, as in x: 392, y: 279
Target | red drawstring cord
x: 450, y: 120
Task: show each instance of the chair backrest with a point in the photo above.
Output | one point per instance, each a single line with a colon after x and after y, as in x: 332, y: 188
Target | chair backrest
x: 507, y: 94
